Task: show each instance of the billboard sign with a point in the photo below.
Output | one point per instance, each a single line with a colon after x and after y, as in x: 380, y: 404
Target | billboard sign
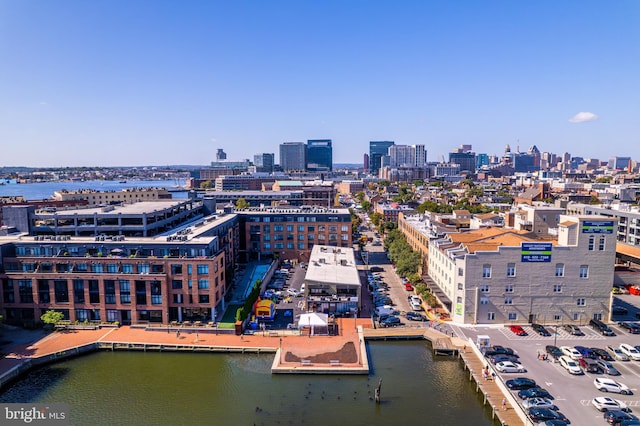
x: 536, y: 252
x: 597, y: 227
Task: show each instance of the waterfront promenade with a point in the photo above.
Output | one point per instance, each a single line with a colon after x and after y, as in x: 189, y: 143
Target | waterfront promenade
x: 293, y: 353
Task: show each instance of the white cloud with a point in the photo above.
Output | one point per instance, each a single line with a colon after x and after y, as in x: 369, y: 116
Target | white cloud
x: 583, y: 117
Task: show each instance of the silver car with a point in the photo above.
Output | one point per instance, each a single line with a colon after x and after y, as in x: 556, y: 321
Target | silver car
x: 607, y: 367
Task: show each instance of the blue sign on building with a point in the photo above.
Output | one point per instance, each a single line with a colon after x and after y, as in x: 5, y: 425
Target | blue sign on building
x: 599, y: 227
x: 536, y: 252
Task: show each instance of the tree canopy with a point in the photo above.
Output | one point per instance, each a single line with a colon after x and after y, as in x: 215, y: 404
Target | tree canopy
x: 242, y: 203
x: 52, y: 317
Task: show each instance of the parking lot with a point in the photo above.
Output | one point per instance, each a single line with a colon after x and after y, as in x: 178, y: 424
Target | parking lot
x: 573, y: 393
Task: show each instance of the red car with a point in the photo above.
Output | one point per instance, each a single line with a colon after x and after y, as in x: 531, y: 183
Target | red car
x: 518, y: 330
x: 408, y: 287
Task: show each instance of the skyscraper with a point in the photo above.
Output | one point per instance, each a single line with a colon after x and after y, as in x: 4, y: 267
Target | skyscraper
x: 264, y: 162
x: 465, y: 158
x: 293, y: 156
x: 377, y: 149
x: 319, y: 155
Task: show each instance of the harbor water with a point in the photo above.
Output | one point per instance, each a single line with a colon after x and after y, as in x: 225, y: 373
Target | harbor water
x: 122, y: 388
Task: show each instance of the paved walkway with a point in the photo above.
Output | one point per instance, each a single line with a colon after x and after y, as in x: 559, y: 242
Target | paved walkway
x: 301, y: 346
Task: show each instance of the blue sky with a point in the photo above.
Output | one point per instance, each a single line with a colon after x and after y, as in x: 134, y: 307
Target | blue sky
x: 99, y: 83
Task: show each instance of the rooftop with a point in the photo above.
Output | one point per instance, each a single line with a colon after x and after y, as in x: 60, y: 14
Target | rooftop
x: 335, y: 265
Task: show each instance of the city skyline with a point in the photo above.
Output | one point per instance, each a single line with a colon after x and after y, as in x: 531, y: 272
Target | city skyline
x: 120, y: 83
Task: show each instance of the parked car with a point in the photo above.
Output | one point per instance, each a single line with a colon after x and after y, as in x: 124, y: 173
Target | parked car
x: 585, y: 352
x: 539, y: 402
x: 510, y: 367
x: 518, y: 330
x: 534, y: 392
x: 631, y: 327
x: 619, y: 310
x: 554, y: 422
x: 604, y: 384
x: 602, y: 354
x: 573, y: 330
x: 391, y: 321
x: 604, y: 403
x: 571, y: 352
x: 590, y: 365
x: 630, y: 351
x: 413, y: 316
x: 520, y: 383
x: 494, y: 359
x: 619, y: 418
x: 543, y: 414
x: 540, y: 330
x: 553, y: 351
x: 607, y: 367
x: 408, y: 287
x: 617, y: 353
x: 502, y: 350
x: 570, y: 365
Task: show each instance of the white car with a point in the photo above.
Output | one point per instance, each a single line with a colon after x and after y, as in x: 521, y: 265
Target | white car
x: 540, y: 403
x: 630, y: 351
x: 604, y: 384
x: 571, y: 352
x: 570, y: 365
x: 604, y: 403
x: 617, y: 354
x: 293, y: 292
x: 510, y: 367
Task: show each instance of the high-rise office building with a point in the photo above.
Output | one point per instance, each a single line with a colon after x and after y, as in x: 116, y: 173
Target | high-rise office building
x: 221, y: 155
x: 264, y: 162
x: 378, y: 149
x: 319, y: 155
x: 407, y: 156
x: 466, y: 159
x: 293, y: 156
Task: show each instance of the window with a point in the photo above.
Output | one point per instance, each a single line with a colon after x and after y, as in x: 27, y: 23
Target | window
x: 513, y: 316
x: 300, y: 228
x: 176, y: 284
x: 278, y: 228
x: 156, y: 293
x: 94, y: 291
x: 484, y: 288
x: 486, y: 271
x: 112, y: 268
x: 581, y: 301
x: 97, y: 268
x: 267, y: 246
x: 110, y: 292
x: 484, y: 300
x: 125, y: 291
x: 557, y: 318
x: 508, y: 289
x: 203, y: 298
x: 557, y: 288
x: 127, y: 268
x: 266, y: 228
x: 460, y: 272
x: 203, y: 269
x: 203, y: 284
x: 78, y: 291
x: 290, y: 246
x: 559, y: 269
x: 511, y: 270
x: 267, y: 237
x: 176, y: 269
x: 576, y: 316
x: 141, y: 293
x: 491, y: 316
x: 459, y: 286
x: 591, y: 242
x: 43, y: 291
x: 508, y: 301
x: 26, y: 291
x: 143, y: 268
x: 584, y: 271
x: 61, y: 291
x: 300, y: 246
x: 601, y: 244
x: 345, y: 228
x: 459, y: 299
x: 344, y: 237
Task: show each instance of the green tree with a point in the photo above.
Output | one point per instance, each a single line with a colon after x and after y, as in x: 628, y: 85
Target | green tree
x: 366, y: 205
x: 418, y: 182
x: 207, y: 184
x: 241, y: 203
x: 51, y: 317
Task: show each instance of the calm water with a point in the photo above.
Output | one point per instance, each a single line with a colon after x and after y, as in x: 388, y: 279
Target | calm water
x: 223, y: 389
x: 44, y: 190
